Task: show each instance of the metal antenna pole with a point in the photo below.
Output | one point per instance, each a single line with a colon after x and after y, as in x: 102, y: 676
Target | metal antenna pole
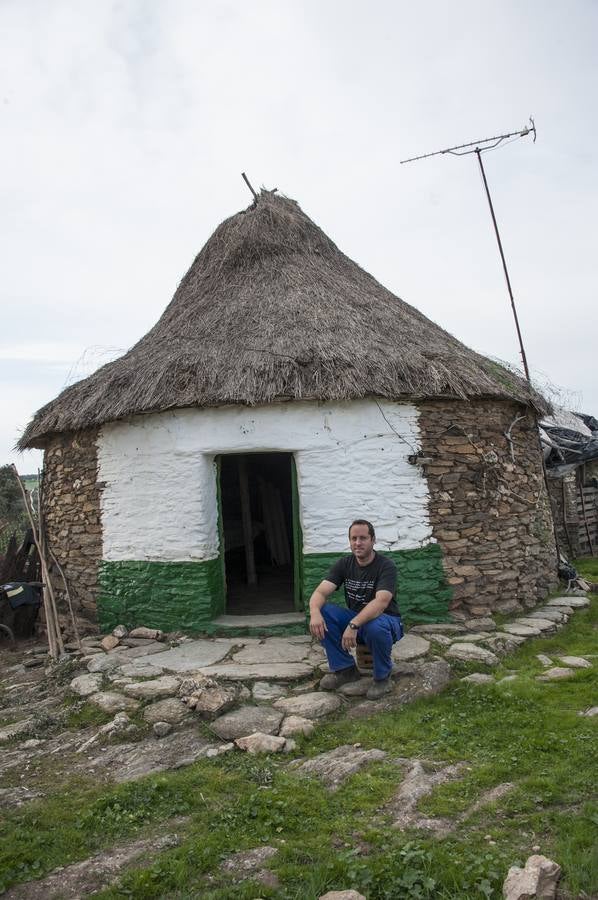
x: 491, y: 144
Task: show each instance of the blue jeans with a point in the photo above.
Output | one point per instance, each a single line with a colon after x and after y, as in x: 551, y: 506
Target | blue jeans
x: 378, y: 635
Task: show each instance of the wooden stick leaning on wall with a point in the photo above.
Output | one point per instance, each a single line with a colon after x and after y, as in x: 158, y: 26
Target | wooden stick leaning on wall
x: 55, y: 645
x: 40, y: 481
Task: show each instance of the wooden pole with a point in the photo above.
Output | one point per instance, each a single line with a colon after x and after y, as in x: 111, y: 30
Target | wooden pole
x: 55, y: 645
x: 246, y: 520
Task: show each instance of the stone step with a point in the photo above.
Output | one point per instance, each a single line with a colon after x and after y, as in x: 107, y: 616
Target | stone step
x: 264, y: 621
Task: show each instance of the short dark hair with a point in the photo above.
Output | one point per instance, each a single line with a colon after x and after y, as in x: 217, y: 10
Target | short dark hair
x: 371, y: 531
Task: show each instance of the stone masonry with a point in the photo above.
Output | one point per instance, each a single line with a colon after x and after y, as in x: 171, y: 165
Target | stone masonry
x: 489, y: 506
x: 72, y: 515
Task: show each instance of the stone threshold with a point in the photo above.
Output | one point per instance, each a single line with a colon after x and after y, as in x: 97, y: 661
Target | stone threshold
x: 268, y: 625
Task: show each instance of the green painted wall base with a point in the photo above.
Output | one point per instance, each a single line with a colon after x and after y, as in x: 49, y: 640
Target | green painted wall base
x: 188, y: 596
x: 173, y: 596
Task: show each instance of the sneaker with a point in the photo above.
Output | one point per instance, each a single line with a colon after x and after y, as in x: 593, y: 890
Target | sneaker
x: 379, y: 688
x: 334, y: 680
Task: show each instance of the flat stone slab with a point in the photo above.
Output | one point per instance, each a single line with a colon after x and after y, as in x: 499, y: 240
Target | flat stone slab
x: 575, y: 662
x: 589, y: 713
x: 259, y: 671
x: 522, y: 630
x: 411, y: 646
x: 247, y: 720
x: 483, y: 623
x: 536, y: 622
x: 149, y: 649
x: 191, y: 656
x: 111, y: 702
x: 552, y: 613
x: 275, y: 651
x: 472, y: 653
x: 134, y: 670
x: 261, y: 743
x: 570, y: 601
x: 263, y: 691
x: 157, y: 688
x: 437, y: 628
x: 337, y: 765
x: 478, y: 678
x: 311, y: 706
x: 263, y: 621
x: 555, y: 674
x: 296, y: 725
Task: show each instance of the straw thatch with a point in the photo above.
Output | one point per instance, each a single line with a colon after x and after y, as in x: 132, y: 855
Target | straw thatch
x: 271, y: 310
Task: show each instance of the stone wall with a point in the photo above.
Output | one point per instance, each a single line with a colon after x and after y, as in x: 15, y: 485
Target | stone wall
x: 71, y: 509
x: 488, y: 504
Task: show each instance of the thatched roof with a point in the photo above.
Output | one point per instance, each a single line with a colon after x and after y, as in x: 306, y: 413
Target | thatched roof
x: 271, y: 310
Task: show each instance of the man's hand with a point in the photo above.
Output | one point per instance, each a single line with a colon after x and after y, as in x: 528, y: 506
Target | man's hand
x: 349, y: 639
x: 317, y: 625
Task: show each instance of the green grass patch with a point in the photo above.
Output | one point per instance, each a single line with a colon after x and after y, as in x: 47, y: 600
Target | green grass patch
x: 587, y: 567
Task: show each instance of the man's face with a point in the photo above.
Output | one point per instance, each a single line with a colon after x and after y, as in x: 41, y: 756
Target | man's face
x: 360, y: 541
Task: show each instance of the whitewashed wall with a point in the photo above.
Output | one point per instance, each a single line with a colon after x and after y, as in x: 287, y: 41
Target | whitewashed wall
x: 159, y: 502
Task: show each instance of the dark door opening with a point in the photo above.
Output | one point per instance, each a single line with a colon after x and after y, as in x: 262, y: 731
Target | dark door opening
x: 257, y: 526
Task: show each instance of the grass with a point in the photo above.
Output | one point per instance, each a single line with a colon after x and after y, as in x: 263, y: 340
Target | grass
x: 523, y: 731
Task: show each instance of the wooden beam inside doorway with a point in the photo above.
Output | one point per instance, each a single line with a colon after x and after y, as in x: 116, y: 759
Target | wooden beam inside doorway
x: 246, y: 520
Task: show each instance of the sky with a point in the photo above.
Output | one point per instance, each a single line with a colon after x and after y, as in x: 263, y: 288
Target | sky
x: 125, y: 127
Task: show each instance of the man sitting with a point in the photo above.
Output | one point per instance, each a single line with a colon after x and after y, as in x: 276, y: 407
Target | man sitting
x: 372, y: 617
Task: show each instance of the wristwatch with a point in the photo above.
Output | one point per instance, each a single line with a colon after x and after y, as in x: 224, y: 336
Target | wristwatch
x: 353, y: 626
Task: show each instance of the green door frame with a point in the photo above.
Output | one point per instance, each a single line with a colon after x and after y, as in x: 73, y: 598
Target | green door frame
x: 297, y: 539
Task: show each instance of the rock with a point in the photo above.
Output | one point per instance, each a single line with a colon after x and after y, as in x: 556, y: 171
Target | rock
x: 570, y: 601
x: 440, y: 639
x: 417, y: 783
x: 14, y: 730
x: 411, y: 646
x: 355, y: 688
x: 166, y: 686
x: 133, y: 670
x: 289, y: 745
x: 437, y: 628
x: 218, y: 751
x: 508, y: 607
x: 31, y: 744
x: 161, y: 729
x: 589, y: 713
x: 342, y: 895
x: 145, y: 651
x: 261, y: 743
x: 247, y: 864
x: 521, y: 630
x: 337, y: 765
x: 247, y: 720
x: 171, y: 710
x: 212, y: 701
x: 109, y: 642
x: 85, y: 685
x: 258, y: 672
x: 507, y: 678
x: 296, y: 725
x: 120, y: 631
x: 111, y: 702
x: 311, y: 706
x: 262, y: 691
x: 484, y: 623
x: 472, y: 653
x: 504, y: 643
x: 554, y: 674
x: 478, y: 678
x: 148, y: 634
x: 34, y: 662
x: 536, y: 622
x: 576, y: 662
x: 274, y: 650
x: 105, y: 662
x: 537, y: 880
x: 304, y: 688
x: 545, y: 660
x: 553, y: 614
x: 191, y: 656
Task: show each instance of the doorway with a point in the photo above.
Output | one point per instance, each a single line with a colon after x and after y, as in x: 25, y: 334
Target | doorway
x: 258, y: 532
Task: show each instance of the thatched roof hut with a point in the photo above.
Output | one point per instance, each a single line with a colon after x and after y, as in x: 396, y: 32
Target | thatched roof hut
x: 214, y: 467
x: 271, y: 310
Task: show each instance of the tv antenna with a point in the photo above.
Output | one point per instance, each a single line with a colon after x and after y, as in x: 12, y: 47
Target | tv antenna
x: 479, y: 147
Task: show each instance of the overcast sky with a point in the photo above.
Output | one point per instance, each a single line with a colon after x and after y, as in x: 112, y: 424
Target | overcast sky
x: 125, y: 127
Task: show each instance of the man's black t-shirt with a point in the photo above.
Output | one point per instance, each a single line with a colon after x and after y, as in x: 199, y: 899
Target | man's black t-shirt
x: 362, y: 582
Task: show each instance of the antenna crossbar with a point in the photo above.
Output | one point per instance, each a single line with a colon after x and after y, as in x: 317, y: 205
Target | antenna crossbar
x: 492, y: 141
